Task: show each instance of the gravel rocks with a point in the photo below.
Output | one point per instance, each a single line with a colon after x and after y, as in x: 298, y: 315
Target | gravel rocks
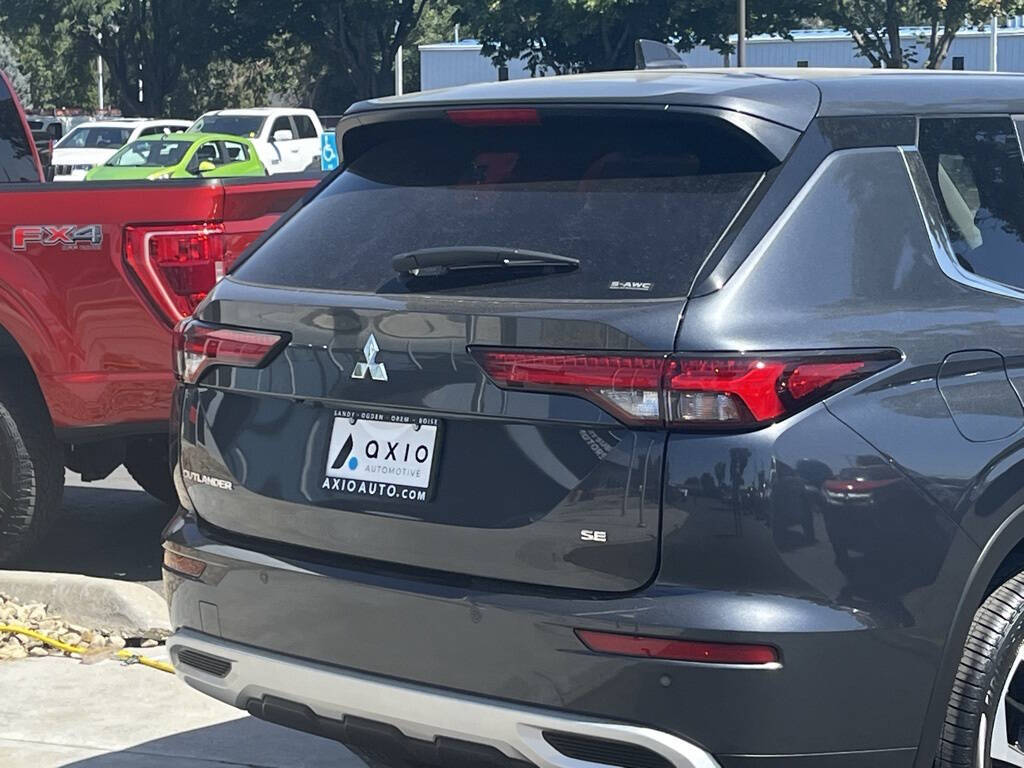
x: 100, y: 644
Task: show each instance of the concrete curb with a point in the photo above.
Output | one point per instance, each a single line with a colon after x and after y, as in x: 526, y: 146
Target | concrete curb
x: 121, y: 606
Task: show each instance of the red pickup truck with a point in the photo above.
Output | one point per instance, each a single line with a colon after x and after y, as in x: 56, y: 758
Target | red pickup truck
x: 93, y: 277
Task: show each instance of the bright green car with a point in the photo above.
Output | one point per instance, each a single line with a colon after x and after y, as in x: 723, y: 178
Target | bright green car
x: 181, y: 156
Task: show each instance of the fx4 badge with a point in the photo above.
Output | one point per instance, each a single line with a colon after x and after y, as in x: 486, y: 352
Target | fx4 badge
x: 376, y: 370
x: 69, y: 237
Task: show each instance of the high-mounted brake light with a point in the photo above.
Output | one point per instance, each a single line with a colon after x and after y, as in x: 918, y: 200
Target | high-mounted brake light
x: 678, y: 650
x: 198, y: 346
x: 646, y: 389
x: 494, y: 116
x: 177, y: 266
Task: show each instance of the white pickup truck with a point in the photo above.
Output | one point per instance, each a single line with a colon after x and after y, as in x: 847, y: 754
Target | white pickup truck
x: 287, y: 140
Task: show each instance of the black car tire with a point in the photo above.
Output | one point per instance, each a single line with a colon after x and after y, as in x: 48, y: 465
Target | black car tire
x: 31, y: 465
x: 148, y: 462
x: 990, y: 655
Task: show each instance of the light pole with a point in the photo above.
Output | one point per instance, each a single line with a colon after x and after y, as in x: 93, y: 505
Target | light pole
x: 741, y: 38
x: 99, y: 70
x: 993, y: 63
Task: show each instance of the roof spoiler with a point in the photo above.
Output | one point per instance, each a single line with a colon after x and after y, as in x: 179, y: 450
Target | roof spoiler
x: 650, y: 54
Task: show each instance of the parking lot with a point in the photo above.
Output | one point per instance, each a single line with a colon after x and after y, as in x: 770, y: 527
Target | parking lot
x: 65, y: 713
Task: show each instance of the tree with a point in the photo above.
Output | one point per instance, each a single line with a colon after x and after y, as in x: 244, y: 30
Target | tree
x: 11, y: 66
x: 146, y: 45
x: 49, y: 71
x: 563, y: 36
x: 286, y: 75
x: 354, y: 42
x: 875, y: 25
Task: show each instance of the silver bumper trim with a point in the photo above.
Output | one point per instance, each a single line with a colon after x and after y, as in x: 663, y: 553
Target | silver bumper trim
x: 417, y: 711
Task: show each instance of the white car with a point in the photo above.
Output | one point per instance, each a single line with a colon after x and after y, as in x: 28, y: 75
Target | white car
x: 287, y: 140
x: 93, y: 143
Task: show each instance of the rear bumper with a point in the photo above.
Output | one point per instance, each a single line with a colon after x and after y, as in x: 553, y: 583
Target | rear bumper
x: 821, y: 707
x: 320, y: 695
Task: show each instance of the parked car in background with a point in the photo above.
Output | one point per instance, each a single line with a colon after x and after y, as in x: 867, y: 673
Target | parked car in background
x: 286, y: 139
x: 46, y: 131
x: 181, y: 156
x: 93, y: 278
x: 93, y: 143
x: 662, y: 418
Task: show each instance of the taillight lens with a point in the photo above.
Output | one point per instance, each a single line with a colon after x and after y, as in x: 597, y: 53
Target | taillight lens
x: 644, y: 389
x: 678, y: 650
x: 198, y: 346
x: 183, y: 564
x: 177, y: 266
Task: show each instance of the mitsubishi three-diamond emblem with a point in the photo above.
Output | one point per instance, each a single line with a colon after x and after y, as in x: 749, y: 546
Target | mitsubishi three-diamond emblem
x: 376, y: 370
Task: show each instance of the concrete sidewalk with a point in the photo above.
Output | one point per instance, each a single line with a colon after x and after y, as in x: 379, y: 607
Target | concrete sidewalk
x: 59, y: 712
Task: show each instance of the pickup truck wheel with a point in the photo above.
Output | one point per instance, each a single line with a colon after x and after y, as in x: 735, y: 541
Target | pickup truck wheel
x: 148, y: 462
x: 984, y: 725
x: 31, y: 466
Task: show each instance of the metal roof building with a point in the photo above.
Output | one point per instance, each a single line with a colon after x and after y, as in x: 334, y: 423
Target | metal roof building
x: 449, y: 64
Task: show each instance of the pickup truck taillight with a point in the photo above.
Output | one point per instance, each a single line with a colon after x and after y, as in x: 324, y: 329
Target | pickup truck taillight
x: 177, y: 266
x: 198, y: 346
x: 738, y: 390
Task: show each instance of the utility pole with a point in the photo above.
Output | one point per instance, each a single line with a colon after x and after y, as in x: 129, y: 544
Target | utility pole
x: 99, y: 70
x: 741, y: 38
x: 993, y: 64
x: 398, y: 71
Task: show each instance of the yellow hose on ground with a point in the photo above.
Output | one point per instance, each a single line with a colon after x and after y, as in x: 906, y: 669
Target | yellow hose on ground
x: 124, y: 653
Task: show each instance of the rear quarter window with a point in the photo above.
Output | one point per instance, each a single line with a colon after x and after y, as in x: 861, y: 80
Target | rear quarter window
x: 639, y: 198
x: 16, y: 160
x: 977, y: 173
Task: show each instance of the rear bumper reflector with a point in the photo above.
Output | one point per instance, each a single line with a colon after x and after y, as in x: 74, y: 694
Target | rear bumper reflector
x: 678, y: 650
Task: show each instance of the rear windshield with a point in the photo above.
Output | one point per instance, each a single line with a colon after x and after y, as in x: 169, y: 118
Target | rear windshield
x: 155, y: 153
x: 638, y: 198
x: 95, y: 137
x: 233, y: 125
x: 17, y: 162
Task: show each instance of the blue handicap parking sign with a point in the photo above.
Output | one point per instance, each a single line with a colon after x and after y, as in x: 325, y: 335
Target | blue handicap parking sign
x: 329, y: 158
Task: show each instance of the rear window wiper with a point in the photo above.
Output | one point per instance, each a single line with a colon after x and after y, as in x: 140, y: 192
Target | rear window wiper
x: 438, y: 261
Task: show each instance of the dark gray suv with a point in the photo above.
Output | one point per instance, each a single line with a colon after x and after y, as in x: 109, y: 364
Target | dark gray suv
x: 645, y: 419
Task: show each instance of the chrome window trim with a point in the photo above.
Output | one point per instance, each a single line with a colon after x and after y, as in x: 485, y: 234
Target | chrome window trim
x: 934, y: 223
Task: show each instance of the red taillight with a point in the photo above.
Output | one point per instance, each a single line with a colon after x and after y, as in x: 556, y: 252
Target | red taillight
x: 663, y: 390
x: 494, y: 116
x: 177, y: 266
x: 198, y: 346
x: 677, y: 650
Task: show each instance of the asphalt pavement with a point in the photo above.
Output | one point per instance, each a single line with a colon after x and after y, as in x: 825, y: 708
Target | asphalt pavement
x: 60, y: 712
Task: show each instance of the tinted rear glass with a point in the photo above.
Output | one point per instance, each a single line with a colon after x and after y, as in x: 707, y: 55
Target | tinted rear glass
x: 16, y: 160
x: 234, y: 125
x: 640, y: 199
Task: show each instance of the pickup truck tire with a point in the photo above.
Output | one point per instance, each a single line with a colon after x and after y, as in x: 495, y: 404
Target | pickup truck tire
x: 31, y: 465
x: 148, y: 462
x: 990, y: 672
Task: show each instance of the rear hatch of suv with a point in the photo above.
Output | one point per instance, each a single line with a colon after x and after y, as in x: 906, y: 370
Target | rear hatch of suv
x: 460, y: 343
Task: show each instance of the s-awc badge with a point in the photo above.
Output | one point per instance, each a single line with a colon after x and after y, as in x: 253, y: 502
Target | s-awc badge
x: 68, y: 237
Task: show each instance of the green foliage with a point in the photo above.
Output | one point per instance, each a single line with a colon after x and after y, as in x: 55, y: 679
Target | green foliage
x: 286, y: 75
x: 152, y: 41
x: 875, y: 25
x: 49, y: 71
x: 584, y: 35
x: 353, y: 42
